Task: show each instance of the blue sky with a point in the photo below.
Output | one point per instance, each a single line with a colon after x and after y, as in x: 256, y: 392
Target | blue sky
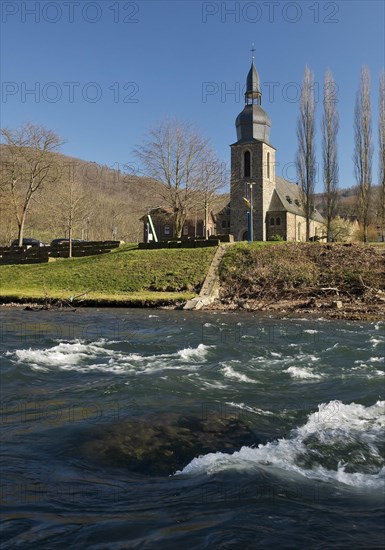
x: 102, y: 73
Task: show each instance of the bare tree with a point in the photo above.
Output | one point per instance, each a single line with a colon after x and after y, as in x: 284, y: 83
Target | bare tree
x: 305, y: 159
x: 381, y: 147
x: 29, y: 167
x: 363, y: 149
x: 213, y: 180
x: 330, y: 125
x: 74, y: 208
x: 175, y: 154
x: 69, y: 203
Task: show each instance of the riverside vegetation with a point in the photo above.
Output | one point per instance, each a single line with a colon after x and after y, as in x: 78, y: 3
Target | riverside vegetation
x: 333, y: 280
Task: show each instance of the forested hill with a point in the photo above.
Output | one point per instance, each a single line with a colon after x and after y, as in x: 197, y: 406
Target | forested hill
x: 110, y: 202
x: 347, y: 204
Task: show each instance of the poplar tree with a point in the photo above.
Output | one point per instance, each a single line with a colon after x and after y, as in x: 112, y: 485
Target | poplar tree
x: 330, y: 126
x: 363, y: 149
x: 305, y: 159
x: 381, y: 148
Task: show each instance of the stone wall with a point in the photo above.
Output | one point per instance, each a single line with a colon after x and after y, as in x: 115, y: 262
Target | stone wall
x: 32, y: 255
x: 296, y: 228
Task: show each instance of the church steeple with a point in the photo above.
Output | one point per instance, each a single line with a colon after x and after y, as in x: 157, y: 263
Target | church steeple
x: 253, y: 87
x: 253, y: 123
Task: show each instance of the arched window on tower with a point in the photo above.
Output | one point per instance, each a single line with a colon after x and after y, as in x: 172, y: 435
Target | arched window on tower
x: 246, y: 164
x: 268, y: 165
x: 271, y: 221
x: 278, y: 221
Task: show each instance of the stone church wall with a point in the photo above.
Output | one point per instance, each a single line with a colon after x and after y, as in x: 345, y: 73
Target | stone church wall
x: 296, y: 228
x: 274, y: 228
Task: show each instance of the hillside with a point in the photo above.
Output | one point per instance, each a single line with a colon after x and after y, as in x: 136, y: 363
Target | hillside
x: 346, y: 201
x: 110, y: 203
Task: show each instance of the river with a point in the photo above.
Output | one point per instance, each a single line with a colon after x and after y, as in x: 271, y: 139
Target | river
x: 310, y: 392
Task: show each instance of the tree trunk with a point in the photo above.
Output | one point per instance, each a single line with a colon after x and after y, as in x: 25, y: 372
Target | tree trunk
x: 21, y: 227
x: 328, y: 229
x: 206, y: 221
x: 307, y: 229
x: 70, y: 241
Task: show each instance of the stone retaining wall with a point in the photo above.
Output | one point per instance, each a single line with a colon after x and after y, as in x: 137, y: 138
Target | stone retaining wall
x: 197, y: 243
x: 32, y: 255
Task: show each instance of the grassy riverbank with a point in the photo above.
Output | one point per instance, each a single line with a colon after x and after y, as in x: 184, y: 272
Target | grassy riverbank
x: 334, y: 281
x: 125, y: 276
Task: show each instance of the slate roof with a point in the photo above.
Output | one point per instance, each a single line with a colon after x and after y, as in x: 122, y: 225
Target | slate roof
x: 252, y: 80
x: 286, y: 189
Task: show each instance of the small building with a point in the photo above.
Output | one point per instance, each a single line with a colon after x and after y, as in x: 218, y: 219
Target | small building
x: 163, y: 222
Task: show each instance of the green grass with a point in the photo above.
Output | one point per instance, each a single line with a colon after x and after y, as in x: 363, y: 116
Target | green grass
x: 124, y: 274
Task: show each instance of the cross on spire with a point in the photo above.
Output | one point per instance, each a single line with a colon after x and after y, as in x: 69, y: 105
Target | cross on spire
x: 252, y: 52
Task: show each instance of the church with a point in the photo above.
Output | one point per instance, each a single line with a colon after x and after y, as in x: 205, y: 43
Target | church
x: 267, y: 205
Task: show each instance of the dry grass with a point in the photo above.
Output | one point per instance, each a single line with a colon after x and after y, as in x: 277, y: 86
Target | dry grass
x: 310, y: 273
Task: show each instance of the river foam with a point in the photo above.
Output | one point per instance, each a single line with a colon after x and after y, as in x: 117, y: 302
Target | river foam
x: 312, y: 449
x: 85, y: 357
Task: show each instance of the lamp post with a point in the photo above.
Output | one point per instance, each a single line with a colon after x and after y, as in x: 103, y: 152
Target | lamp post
x: 251, y: 220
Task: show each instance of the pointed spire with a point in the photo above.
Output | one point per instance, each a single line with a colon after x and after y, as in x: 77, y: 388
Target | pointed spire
x: 253, y: 123
x: 253, y: 88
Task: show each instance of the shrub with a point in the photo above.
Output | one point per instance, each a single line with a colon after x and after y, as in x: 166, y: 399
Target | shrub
x: 276, y: 238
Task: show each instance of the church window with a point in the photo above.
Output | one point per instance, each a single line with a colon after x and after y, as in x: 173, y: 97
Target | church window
x: 271, y: 221
x: 299, y: 231
x: 185, y: 230
x: 268, y: 166
x: 246, y: 164
x: 278, y: 221
x: 166, y: 230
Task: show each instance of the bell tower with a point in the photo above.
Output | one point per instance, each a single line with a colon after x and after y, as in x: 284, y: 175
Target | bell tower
x: 252, y: 163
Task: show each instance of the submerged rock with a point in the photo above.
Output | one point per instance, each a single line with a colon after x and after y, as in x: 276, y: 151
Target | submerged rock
x: 162, y: 444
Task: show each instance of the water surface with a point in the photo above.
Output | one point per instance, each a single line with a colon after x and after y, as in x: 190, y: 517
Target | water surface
x: 312, y: 392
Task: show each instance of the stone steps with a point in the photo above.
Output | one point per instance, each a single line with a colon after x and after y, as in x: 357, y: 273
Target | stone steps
x: 210, y: 288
